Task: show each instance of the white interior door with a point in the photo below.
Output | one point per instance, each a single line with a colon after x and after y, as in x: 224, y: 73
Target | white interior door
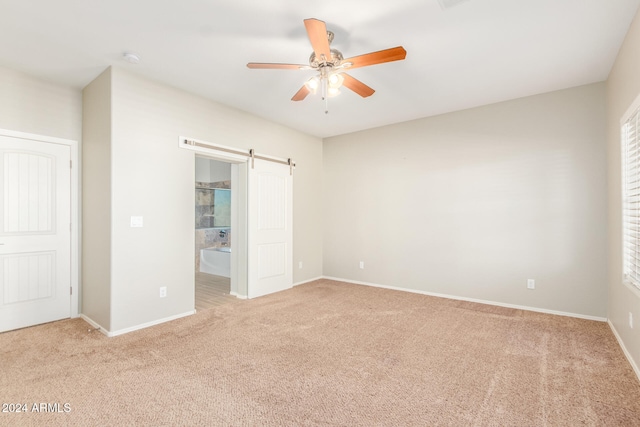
x: 270, y: 228
x: 35, y: 232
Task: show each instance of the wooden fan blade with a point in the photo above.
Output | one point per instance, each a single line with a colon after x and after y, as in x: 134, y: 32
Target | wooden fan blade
x: 357, y: 86
x: 317, y: 31
x: 301, y: 94
x: 394, y: 54
x: 274, y: 66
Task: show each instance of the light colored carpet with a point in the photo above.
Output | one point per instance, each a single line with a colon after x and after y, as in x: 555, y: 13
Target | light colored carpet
x: 327, y: 354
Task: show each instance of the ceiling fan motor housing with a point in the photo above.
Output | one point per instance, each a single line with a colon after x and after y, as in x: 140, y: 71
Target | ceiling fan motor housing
x: 334, y: 61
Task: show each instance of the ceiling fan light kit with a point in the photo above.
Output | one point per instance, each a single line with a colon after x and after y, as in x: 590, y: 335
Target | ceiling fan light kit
x: 331, y: 65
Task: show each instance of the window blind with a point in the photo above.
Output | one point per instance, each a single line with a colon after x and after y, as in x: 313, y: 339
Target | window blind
x: 631, y: 198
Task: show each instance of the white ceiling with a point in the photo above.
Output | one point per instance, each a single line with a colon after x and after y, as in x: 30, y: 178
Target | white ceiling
x: 474, y: 53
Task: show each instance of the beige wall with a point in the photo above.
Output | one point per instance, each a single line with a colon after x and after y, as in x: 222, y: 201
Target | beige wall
x: 623, y: 86
x: 473, y: 203
x: 153, y: 177
x: 35, y: 106
x: 32, y: 105
x: 96, y: 201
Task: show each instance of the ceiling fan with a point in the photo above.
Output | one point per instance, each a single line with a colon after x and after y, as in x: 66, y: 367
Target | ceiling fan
x: 331, y: 65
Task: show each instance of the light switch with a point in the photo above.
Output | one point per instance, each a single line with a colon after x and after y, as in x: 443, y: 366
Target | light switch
x: 136, y: 221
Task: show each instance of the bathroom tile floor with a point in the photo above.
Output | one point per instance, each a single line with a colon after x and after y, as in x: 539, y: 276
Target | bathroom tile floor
x: 212, y: 291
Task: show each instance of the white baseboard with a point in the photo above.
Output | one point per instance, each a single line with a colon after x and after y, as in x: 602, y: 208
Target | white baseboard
x: 96, y: 325
x: 237, y: 295
x: 137, y: 327
x: 295, y: 284
x: 624, y: 349
x: 308, y: 281
x: 479, y: 301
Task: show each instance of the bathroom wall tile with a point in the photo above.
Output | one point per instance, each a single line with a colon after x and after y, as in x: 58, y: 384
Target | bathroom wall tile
x: 206, y: 236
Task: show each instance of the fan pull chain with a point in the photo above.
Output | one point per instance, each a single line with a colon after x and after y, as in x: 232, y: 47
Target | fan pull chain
x: 325, y: 95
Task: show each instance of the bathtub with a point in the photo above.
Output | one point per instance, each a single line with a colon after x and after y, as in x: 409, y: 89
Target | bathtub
x: 216, y: 261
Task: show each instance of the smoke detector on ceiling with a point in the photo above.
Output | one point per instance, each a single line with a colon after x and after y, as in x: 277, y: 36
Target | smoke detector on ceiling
x: 131, y: 58
x: 447, y: 4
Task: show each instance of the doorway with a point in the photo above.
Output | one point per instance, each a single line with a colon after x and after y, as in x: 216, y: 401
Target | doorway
x: 213, y: 232
x: 38, y: 230
x: 261, y: 218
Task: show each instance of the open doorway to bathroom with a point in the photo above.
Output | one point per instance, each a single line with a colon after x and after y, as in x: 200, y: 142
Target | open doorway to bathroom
x: 213, y: 232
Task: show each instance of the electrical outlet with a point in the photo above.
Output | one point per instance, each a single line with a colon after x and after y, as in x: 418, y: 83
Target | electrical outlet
x: 531, y: 284
x: 631, y: 320
x: 163, y: 292
x: 361, y: 265
x: 300, y: 265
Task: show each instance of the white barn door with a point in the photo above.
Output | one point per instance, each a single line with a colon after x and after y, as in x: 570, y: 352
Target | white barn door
x: 35, y: 235
x: 270, y: 228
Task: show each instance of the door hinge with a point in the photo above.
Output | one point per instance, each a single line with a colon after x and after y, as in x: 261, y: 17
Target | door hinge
x: 71, y: 290
x: 70, y: 164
